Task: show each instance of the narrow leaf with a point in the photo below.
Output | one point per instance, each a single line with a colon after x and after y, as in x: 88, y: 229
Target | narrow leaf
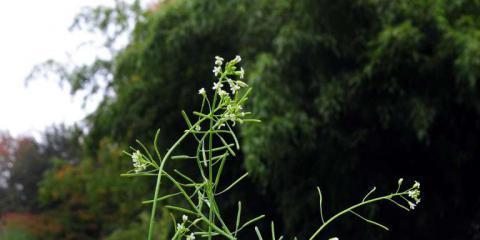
x: 233, y: 184
x: 370, y: 221
x: 368, y: 194
x: 321, y: 204
x: 259, y: 235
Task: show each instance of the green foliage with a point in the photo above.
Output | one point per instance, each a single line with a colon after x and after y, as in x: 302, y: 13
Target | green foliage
x: 15, y: 234
x: 221, y: 113
x: 24, y: 160
x: 215, y: 140
x: 351, y: 92
x: 137, y: 229
x: 89, y: 198
x: 391, y: 89
x: 27, y: 170
x: 22, y: 164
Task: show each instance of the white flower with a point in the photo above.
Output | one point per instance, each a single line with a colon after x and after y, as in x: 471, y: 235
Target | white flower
x: 333, y: 238
x: 241, y: 73
x: 191, y: 237
x: 138, y: 163
x: 222, y: 93
x: 237, y: 59
x: 415, y: 195
x: 184, y: 218
x: 217, y: 70
x: 232, y: 117
x: 180, y: 227
x: 218, y: 85
x: 234, y: 88
x: 136, y: 156
x: 201, y: 91
x: 218, y: 60
x: 400, y: 181
x: 219, y: 126
x: 411, y: 205
x: 410, y: 193
x: 241, y: 84
x: 198, y: 128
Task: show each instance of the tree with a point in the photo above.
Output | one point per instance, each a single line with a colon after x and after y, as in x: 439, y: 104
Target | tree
x: 356, y: 92
x: 351, y: 93
x: 88, y: 198
x: 24, y: 160
x: 22, y: 166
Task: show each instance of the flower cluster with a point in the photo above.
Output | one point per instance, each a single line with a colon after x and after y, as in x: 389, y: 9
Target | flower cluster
x: 182, y: 230
x: 225, y: 72
x: 233, y: 113
x: 230, y: 101
x: 414, y: 194
x: 139, y: 162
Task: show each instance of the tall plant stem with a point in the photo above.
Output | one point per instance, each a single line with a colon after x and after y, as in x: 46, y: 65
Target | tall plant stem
x: 159, y: 176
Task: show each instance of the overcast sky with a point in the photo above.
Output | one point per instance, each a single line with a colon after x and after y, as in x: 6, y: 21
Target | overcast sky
x: 31, y: 32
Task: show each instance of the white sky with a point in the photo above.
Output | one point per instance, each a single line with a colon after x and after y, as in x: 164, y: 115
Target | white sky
x: 32, y: 31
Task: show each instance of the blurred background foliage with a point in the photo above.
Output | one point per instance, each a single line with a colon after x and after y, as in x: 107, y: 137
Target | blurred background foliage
x: 351, y: 94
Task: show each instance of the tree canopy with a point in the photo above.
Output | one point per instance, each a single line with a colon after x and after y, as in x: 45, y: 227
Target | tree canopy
x: 351, y: 94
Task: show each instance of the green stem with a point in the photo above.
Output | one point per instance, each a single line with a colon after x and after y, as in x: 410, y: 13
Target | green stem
x: 352, y: 208
x: 159, y: 177
x: 199, y: 213
x: 210, y: 169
